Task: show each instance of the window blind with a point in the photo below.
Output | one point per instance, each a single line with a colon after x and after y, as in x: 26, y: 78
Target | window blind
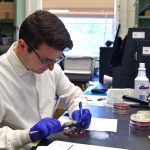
x: 80, y: 7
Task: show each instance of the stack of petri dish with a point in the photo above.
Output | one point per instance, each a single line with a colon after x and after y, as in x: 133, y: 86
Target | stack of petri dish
x: 121, y: 108
x: 140, y: 120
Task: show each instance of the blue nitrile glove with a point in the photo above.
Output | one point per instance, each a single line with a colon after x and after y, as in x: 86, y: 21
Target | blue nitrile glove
x: 45, y: 127
x: 84, y: 119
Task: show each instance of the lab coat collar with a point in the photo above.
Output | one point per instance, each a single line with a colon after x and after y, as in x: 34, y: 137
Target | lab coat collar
x: 15, y: 62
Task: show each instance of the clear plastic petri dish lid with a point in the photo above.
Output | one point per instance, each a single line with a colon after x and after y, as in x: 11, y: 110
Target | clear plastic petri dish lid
x: 139, y: 117
x: 100, y: 135
x: 146, y: 113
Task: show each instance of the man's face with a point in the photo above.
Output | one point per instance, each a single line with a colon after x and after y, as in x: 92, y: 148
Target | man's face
x: 41, y: 59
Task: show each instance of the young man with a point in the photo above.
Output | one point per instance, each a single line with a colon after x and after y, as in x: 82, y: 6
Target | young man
x: 30, y: 80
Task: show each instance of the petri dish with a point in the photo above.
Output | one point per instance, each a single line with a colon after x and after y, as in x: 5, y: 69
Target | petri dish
x: 75, y: 132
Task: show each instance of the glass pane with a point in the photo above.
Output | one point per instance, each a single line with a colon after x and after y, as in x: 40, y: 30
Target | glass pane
x: 88, y: 34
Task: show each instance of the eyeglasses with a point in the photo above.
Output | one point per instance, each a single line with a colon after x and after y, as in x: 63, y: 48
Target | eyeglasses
x: 46, y: 61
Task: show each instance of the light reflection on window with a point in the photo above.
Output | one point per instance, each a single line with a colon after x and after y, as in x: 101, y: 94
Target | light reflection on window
x: 88, y: 34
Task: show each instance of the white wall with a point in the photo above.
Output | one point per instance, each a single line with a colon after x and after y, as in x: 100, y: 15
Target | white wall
x: 32, y: 5
x: 125, y: 15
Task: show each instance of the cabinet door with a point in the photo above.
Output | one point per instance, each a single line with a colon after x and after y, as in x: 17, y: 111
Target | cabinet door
x: 12, y: 13
x: 142, y: 13
x: 7, y: 15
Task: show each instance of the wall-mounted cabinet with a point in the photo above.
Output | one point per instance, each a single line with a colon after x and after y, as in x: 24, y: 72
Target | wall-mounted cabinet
x: 142, y: 13
x: 12, y: 12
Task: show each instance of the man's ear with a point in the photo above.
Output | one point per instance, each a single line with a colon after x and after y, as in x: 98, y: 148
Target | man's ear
x: 22, y: 44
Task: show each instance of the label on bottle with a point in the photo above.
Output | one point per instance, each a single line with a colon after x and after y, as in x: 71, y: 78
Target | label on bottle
x: 141, y: 89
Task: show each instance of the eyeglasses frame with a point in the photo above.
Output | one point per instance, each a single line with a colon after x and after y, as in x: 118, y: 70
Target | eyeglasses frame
x: 46, y: 61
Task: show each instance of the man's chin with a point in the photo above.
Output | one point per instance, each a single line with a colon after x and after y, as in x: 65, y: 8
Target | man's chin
x: 40, y: 71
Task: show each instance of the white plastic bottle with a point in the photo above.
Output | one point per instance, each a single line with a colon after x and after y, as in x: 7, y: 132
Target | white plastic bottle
x: 141, y: 83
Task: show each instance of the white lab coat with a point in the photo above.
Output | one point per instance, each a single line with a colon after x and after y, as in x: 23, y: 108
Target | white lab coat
x: 27, y: 97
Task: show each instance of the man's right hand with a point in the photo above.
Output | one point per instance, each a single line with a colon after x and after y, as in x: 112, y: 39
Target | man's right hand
x: 44, y: 128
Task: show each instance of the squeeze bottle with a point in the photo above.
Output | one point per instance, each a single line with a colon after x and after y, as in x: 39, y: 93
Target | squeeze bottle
x: 141, y: 83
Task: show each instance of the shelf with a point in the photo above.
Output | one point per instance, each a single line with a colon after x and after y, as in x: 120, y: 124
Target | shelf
x: 6, y: 20
x: 4, y: 46
x: 144, y: 17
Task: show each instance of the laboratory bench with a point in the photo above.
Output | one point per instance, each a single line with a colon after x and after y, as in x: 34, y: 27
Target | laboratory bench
x: 125, y: 137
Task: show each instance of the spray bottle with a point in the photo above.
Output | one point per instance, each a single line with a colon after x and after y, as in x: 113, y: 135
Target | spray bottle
x: 141, y: 83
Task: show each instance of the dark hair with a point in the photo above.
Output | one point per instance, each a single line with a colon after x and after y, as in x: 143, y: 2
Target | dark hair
x: 44, y: 27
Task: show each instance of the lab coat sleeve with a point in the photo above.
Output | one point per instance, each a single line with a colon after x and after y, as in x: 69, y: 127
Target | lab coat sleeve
x: 71, y: 95
x: 11, y: 139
